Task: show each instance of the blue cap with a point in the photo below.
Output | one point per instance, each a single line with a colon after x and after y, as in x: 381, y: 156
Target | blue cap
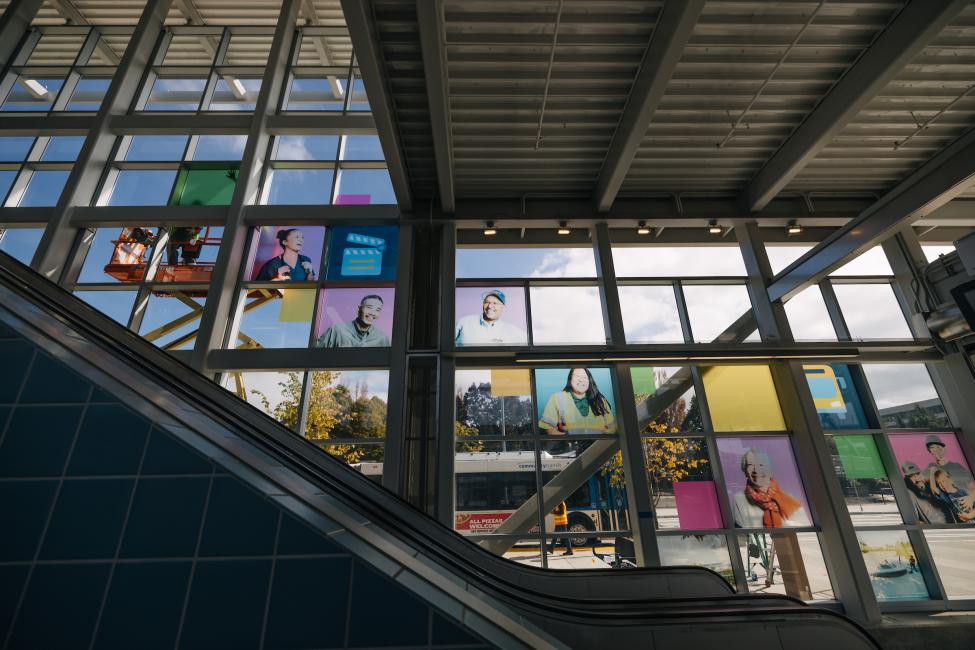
x: 495, y: 292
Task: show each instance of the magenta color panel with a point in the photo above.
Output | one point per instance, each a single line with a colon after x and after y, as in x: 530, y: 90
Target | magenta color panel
x: 268, y: 247
x: 468, y: 300
x: 353, y: 199
x: 911, y: 447
x: 342, y: 305
x: 697, y: 505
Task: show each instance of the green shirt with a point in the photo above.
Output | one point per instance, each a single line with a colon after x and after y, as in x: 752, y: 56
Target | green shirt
x: 348, y: 335
x: 582, y: 404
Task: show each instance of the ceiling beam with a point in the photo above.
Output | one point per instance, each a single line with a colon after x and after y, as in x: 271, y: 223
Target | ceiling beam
x: 67, y: 9
x: 431, y: 22
x: 931, y: 186
x: 14, y: 25
x: 321, y: 46
x: 365, y: 44
x: 670, y: 35
x: 901, y: 41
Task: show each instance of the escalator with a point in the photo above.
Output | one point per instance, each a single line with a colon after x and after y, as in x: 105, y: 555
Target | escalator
x: 508, y: 604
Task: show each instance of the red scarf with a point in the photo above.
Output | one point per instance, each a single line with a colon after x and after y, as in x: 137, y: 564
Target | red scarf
x: 777, y: 505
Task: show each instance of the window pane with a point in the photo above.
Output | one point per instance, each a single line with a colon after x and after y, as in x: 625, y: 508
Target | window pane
x: 6, y: 181
x: 117, y: 254
x: 63, y: 148
x: 306, y: 147
x: 953, y: 552
x: 490, y: 316
x: 15, y: 149
x: 355, y: 318
x: 871, y: 311
x: 785, y: 563
x: 32, y: 94
x: 275, y: 393
x: 567, y: 315
x: 204, y: 186
x: 44, y: 188
x: 235, y: 95
x: 175, y: 94
x: 347, y: 404
x: 905, y: 396
x: 525, y: 263
x: 725, y: 386
x: 709, y: 551
x: 575, y: 401
x: 808, y: 317
x: 172, y: 320
x: 286, y: 254
x: 892, y: 565
x: 88, y: 94
x: 117, y: 305
x: 299, y: 186
x: 681, y: 484
x: 780, y: 257
x: 358, y: 101
x: 275, y: 318
x: 937, y: 476
x: 490, y: 487
x: 713, y: 308
x: 763, y: 482
x: 156, y: 147
x: 863, y: 479
x: 314, y: 94
x: 362, y: 147
x: 190, y: 254
x: 650, y: 315
x: 677, y: 261
x: 220, y: 147
x: 359, y: 253
x: 20, y: 243
x: 873, y: 262
x: 835, y: 396
x: 142, y: 187
x: 934, y: 251
x: 364, y: 186
x: 492, y: 402
x: 679, y: 410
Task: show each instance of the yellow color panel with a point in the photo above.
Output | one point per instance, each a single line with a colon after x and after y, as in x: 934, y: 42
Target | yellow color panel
x: 296, y: 307
x: 742, y: 398
x: 507, y: 382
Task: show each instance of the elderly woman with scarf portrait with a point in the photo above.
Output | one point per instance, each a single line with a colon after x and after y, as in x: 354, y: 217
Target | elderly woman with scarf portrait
x: 763, y: 504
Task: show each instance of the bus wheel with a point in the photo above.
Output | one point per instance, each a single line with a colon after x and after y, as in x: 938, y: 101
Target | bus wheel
x: 581, y: 525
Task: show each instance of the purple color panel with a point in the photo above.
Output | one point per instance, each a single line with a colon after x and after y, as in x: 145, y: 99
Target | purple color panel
x: 779, y: 451
x: 911, y: 447
x: 468, y: 300
x: 342, y: 306
x: 353, y: 199
x: 268, y: 247
x: 697, y: 505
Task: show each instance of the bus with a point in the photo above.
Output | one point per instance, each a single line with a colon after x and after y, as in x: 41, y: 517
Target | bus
x: 490, y: 486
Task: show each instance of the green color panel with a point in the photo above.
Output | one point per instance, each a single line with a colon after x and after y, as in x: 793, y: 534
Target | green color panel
x: 643, y: 381
x: 212, y: 186
x: 859, y: 457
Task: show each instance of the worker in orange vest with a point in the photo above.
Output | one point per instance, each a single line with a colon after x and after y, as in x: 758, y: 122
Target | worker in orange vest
x: 561, y: 516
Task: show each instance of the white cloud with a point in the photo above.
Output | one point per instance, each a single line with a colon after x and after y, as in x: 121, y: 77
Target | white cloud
x: 712, y: 308
x: 871, y: 311
x: 566, y: 263
x: 567, y: 315
x: 808, y: 317
x: 896, y: 384
x: 650, y: 315
x: 677, y: 261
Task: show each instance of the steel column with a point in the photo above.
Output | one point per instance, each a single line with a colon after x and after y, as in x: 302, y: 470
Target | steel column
x: 431, y: 24
x: 222, y: 296
x: 79, y: 190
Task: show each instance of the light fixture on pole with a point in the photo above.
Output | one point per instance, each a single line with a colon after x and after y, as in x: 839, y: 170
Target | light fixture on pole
x: 489, y: 229
x: 643, y: 230
x: 564, y: 228
x: 714, y: 228
x: 793, y: 228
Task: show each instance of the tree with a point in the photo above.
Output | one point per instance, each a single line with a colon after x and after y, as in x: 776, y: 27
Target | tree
x: 334, y: 412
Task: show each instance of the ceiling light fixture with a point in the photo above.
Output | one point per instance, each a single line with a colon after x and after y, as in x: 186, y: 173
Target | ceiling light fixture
x: 489, y: 229
x: 714, y: 228
x: 564, y: 228
x: 643, y: 230
x: 793, y: 228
